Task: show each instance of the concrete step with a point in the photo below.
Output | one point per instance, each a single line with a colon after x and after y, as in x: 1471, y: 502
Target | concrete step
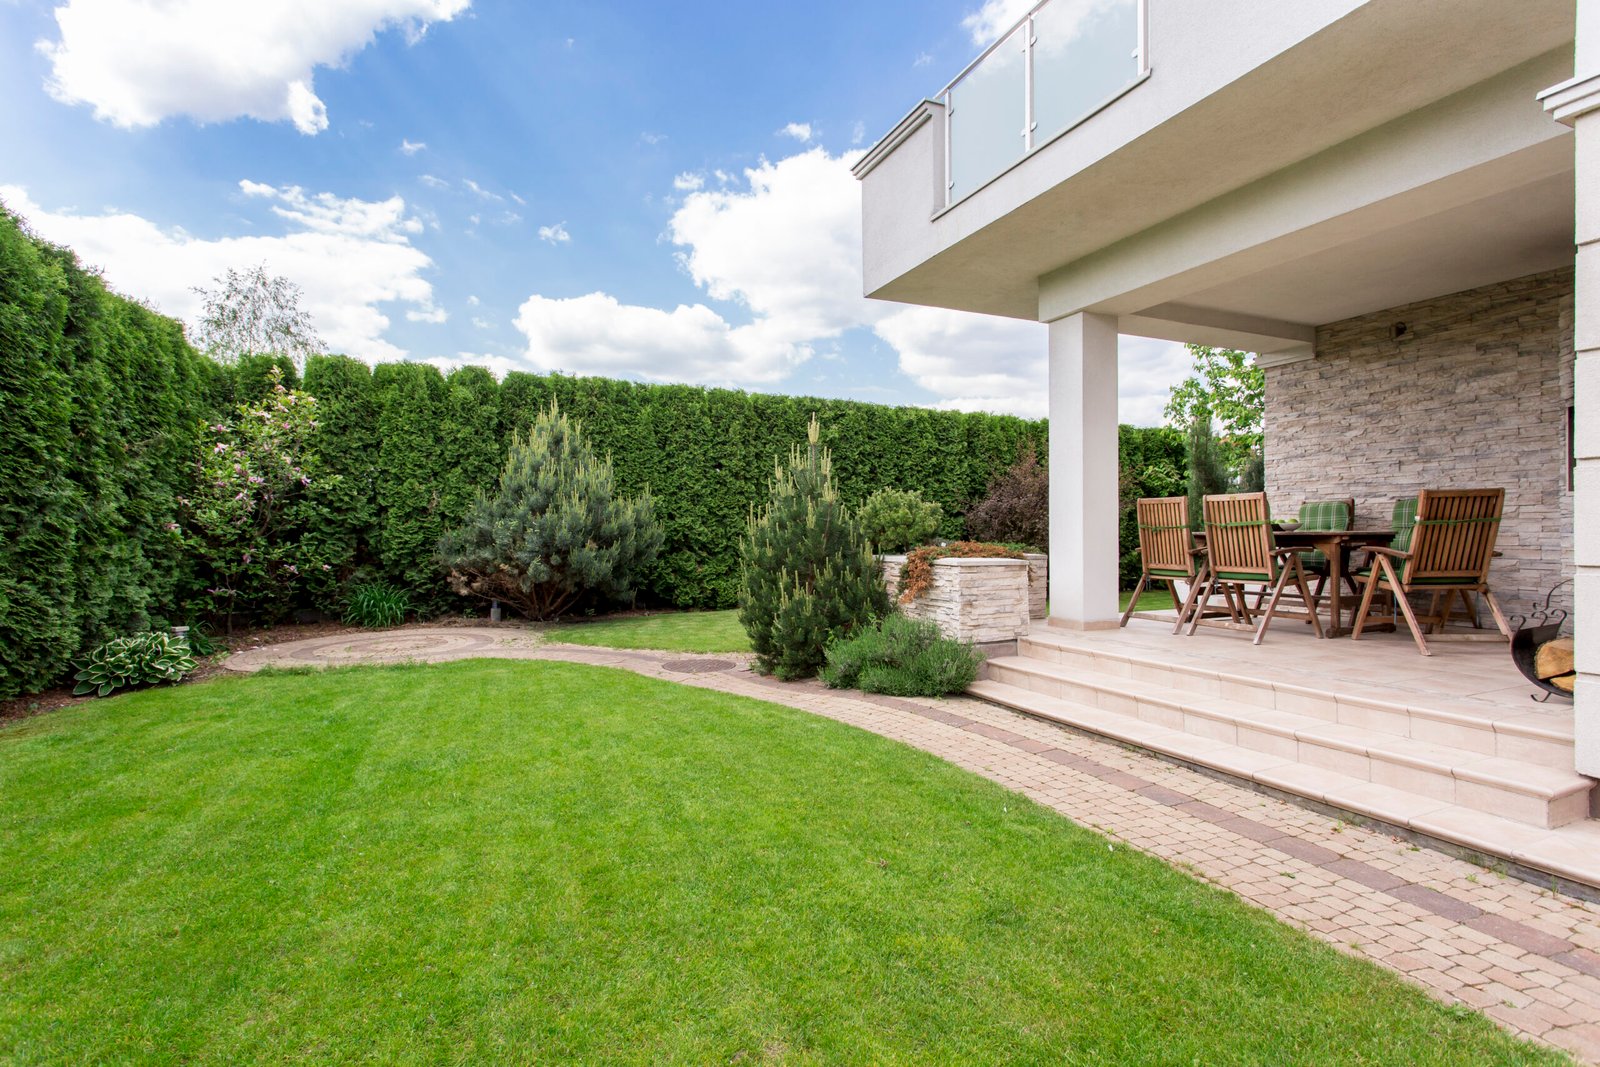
x: 1526, y: 739
x: 1313, y: 737
x: 1570, y: 851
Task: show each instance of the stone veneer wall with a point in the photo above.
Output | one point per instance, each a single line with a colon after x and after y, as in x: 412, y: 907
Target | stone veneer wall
x: 1474, y: 394
x: 977, y: 600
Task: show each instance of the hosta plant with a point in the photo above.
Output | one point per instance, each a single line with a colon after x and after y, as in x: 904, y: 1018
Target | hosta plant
x: 143, y: 659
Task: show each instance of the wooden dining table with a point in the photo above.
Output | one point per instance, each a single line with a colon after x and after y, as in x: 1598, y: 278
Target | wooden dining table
x: 1337, y: 546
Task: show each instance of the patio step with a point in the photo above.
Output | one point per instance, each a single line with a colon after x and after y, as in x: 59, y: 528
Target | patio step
x: 1225, y: 730
x: 1571, y: 852
x: 1526, y: 739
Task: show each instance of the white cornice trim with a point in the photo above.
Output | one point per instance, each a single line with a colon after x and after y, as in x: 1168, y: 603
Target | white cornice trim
x: 1573, y: 97
x: 895, y: 137
x: 1297, y: 354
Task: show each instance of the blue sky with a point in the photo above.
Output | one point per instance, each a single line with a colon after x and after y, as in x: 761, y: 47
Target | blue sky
x: 645, y: 190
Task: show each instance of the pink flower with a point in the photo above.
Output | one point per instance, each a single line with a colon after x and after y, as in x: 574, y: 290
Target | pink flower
x: 247, y: 557
x: 326, y: 567
x: 292, y: 569
x: 222, y: 446
x: 172, y: 526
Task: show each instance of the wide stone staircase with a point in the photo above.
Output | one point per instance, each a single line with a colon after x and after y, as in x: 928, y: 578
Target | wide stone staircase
x: 1493, y: 785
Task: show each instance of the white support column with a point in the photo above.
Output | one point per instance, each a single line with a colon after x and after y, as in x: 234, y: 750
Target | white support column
x: 1083, y: 472
x: 1577, y: 103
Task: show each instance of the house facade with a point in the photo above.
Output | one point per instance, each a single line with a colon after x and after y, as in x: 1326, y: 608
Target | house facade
x: 1395, y: 203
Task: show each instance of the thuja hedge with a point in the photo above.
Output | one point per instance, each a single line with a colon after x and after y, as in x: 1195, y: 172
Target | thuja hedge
x: 101, y: 402
x: 413, y: 446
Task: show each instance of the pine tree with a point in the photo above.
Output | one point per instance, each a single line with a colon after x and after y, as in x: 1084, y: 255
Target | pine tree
x: 808, y: 575
x: 1208, y: 472
x: 555, y: 530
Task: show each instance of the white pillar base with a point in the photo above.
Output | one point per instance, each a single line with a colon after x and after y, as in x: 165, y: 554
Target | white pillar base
x: 1083, y: 472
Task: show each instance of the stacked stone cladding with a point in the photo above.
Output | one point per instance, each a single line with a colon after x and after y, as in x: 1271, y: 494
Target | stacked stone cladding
x: 1473, y: 393
x: 977, y: 600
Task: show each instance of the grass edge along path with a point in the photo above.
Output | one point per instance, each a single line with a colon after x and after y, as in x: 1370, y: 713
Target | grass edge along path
x: 513, y: 860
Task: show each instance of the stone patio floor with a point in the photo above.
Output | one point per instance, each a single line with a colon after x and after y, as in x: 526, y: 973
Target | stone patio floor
x: 1527, y: 957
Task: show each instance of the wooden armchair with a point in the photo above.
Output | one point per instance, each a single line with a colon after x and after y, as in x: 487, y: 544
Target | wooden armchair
x: 1241, y: 551
x: 1166, y: 552
x: 1450, y: 547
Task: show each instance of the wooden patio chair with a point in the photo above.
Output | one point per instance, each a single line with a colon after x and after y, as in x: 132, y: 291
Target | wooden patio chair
x: 1167, y: 552
x: 1240, y: 552
x: 1446, y: 552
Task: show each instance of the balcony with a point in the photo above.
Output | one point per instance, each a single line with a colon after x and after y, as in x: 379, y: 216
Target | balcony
x: 1064, y: 61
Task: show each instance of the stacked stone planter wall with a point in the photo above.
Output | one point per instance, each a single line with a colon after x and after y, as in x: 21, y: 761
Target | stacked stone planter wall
x: 985, y: 601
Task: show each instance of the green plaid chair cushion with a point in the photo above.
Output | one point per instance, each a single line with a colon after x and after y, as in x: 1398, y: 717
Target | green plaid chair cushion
x: 1404, y: 521
x: 1322, y: 515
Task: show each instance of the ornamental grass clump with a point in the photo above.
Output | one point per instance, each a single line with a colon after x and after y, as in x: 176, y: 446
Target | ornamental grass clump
x: 902, y: 657
x: 916, y: 577
x: 555, y: 531
x: 808, y: 575
x: 896, y: 519
x: 376, y: 604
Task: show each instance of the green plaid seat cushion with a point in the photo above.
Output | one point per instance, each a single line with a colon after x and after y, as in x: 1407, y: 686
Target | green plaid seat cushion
x: 1404, y: 521
x: 1322, y: 515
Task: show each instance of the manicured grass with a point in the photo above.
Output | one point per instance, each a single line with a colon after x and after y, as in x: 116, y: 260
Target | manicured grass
x: 1149, y: 600
x: 501, y: 861
x: 674, y: 631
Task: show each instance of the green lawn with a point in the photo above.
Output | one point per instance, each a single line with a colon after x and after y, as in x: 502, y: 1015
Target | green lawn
x: 673, y: 631
x: 1149, y: 600
x: 503, y: 861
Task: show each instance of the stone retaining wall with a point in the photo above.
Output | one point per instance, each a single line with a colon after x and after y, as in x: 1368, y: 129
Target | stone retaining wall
x: 1474, y: 393
x: 984, y: 601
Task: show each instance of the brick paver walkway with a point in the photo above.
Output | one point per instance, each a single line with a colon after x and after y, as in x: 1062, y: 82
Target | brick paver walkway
x: 1527, y: 957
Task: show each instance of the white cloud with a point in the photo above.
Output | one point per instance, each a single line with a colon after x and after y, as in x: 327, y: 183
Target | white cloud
x: 800, y: 131
x: 137, y: 62
x: 687, y: 182
x: 482, y: 323
x: 433, y: 183
x: 650, y: 138
x: 379, y: 220
x: 556, y: 235
x: 411, y: 148
x: 434, y: 315
x: 351, y: 258
x: 493, y: 198
x: 994, y: 18
x: 858, y: 132
x: 473, y: 301
x: 975, y: 362
x: 596, y: 334
x: 923, y: 59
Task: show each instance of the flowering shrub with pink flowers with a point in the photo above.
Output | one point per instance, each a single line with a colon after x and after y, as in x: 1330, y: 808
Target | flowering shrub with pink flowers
x: 250, y: 484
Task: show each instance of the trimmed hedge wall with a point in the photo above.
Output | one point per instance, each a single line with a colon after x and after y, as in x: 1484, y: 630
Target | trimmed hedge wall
x: 101, y: 402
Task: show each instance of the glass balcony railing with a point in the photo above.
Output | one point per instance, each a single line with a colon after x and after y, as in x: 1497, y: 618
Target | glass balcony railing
x: 1063, y: 62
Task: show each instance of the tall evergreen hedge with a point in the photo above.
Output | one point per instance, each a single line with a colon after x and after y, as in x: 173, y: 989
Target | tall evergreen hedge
x: 101, y: 402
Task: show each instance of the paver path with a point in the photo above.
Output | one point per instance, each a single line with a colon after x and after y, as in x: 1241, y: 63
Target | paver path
x: 1527, y: 957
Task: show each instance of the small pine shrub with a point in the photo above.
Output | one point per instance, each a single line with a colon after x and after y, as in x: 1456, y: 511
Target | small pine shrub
x: 142, y: 659
x: 555, y: 531
x: 917, y: 575
x: 808, y: 575
x: 1017, y: 507
x: 376, y: 604
x: 902, y: 657
x: 896, y: 519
